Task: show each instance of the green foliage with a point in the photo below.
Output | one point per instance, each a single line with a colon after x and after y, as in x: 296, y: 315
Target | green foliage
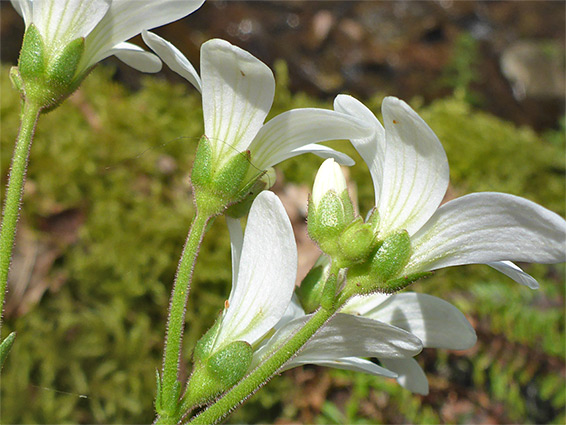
x: 119, y: 162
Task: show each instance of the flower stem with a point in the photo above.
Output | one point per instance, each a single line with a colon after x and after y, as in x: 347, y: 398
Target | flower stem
x: 29, y: 116
x: 170, y: 388
x: 267, y: 369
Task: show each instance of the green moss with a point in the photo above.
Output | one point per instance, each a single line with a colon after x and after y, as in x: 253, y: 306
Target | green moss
x: 119, y: 163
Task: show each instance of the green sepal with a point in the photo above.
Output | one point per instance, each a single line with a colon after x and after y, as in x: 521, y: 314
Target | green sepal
x: 32, y: 60
x: 392, y: 256
x: 329, y: 293
x: 229, y: 180
x: 203, y: 347
x: 5, y: 348
x: 201, y: 175
x: 331, y: 215
x: 242, y: 207
x: 373, y: 219
x: 16, y: 80
x: 61, y: 71
x: 395, y: 285
x: 218, y: 373
x: 231, y: 363
x: 312, y: 286
x: 328, y: 219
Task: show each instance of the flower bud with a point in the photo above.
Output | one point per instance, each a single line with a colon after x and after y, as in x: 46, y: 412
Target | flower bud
x: 328, y: 178
x: 330, y: 207
x: 312, y: 286
x: 356, y: 242
x: 383, y: 271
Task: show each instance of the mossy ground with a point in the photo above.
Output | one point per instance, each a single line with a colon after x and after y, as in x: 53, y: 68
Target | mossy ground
x: 108, y: 197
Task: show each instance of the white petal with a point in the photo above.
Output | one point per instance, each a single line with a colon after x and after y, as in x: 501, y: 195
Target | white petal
x: 411, y: 376
x: 136, y: 57
x: 237, y: 93
x: 61, y: 22
x: 328, y: 178
x: 371, y: 149
x: 355, y: 336
x: 267, y: 272
x: 489, y: 227
x: 344, y: 336
x: 236, y: 243
x: 172, y: 57
x: 415, y: 172
x: 346, y: 363
x: 515, y: 273
x: 362, y: 304
x: 24, y: 9
x: 294, y: 311
x: 299, y: 127
x: 126, y: 19
x: 437, y: 323
x: 323, y: 152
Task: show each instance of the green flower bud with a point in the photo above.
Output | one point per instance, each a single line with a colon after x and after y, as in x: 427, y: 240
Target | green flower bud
x: 383, y: 271
x: 356, y: 242
x: 311, y: 288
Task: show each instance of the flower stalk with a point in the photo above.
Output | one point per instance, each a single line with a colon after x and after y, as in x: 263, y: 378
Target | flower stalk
x: 14, y: 191
x: 169, y: 387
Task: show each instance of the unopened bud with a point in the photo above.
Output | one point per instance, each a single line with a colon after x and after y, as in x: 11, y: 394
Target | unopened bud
x: 357, y: 242
x: 383, y: 271
x: 330, y: 207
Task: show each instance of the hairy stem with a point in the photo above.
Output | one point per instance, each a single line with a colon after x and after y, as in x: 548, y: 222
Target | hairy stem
x: 170, y: 387
x: 29, y: 116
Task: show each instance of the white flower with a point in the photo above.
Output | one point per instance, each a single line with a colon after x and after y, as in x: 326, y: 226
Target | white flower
x: 264, y: 268
x: 105, y: 24
x: 237, y: 94
x: 410, y: 174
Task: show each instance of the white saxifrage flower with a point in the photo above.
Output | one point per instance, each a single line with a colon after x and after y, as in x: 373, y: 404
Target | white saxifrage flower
x: 264, y: 269
x: 410, y: 174
x: 237, y: 94
x: 105, y: 25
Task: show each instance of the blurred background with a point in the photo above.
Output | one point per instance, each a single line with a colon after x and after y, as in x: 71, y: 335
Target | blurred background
x: 107, y: 206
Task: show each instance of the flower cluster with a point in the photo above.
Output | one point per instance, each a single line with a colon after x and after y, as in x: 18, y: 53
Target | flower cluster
x: 348, y: 312
x: 406, y: 236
